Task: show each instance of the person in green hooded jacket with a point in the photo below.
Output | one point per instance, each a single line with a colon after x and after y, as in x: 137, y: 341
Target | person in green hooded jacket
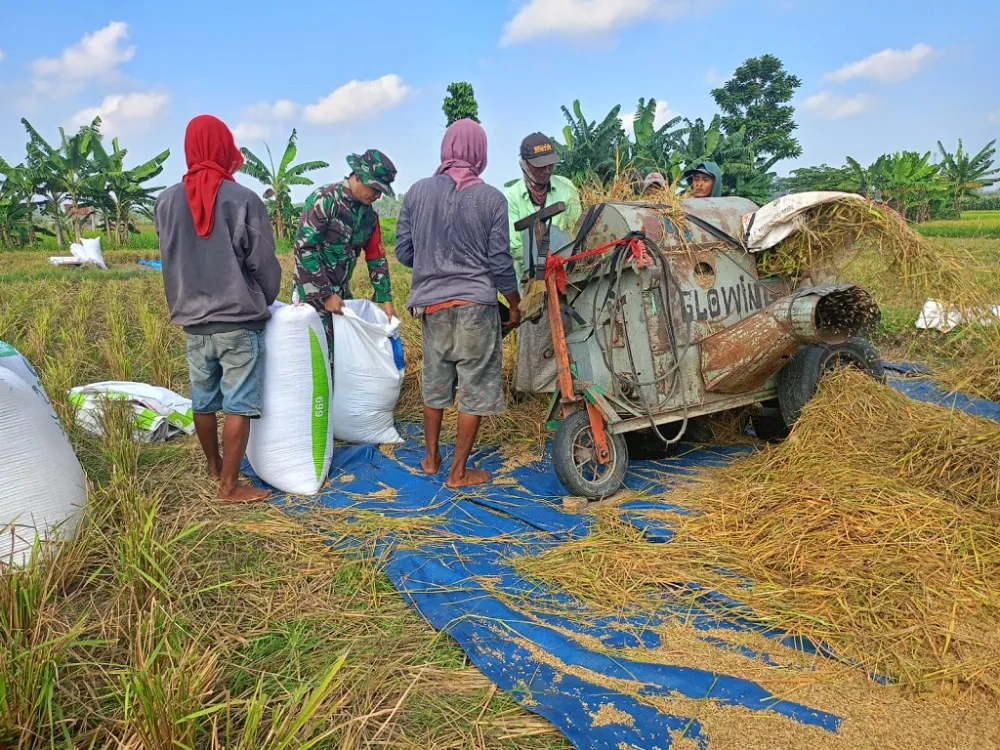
x: 705, y: 180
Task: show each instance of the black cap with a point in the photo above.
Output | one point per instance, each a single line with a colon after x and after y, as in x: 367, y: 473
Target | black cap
x: 700, y: 169
x: 538, y: 151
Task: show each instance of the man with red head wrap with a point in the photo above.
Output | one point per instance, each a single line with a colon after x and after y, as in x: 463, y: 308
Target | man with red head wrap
x: 220, y: 274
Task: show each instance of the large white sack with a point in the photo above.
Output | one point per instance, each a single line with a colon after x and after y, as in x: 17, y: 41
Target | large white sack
x: 42, y: 485
x: 291, y: 445
x: 944, y: 317
x: 367, y: 374
x: 92, y: 252
x: 160, y: 414
x: 13, y: 360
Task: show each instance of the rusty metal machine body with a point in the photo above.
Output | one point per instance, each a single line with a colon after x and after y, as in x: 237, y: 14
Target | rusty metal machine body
x: 675, y: 324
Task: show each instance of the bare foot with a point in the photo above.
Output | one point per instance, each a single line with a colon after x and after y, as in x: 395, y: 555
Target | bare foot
x: 241, y: 494
x: 468, y: 478
x: 431, y: 466
x: 215, y: 470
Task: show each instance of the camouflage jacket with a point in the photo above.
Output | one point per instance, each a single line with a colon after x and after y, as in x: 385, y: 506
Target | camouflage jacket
x: 333, y: 231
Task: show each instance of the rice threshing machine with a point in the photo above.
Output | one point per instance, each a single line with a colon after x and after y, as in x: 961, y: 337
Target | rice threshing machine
x: 657, y: 323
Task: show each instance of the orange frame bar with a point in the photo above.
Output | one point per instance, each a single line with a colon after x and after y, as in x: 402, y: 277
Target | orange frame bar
x: 566, y: 374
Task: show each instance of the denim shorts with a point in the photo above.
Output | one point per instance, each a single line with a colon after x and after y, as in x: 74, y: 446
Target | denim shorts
x: 462, y: 358
x: 227, y: 371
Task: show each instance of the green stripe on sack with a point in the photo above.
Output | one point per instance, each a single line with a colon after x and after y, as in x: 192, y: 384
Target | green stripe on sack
x: 320, y: 405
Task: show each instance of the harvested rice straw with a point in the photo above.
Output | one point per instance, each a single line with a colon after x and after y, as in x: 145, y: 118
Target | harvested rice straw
x: 875, y: 529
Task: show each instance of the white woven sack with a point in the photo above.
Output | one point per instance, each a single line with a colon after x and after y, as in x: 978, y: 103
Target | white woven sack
x: 92, y: 252
x: 291, y: 445
x: 42, y: 485
x: 367, y: 374
x: 13, y: 360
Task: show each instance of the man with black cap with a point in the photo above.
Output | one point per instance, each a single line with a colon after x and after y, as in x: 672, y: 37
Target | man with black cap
x: 705, y: 180
x: 338, y: 223
x: 536, y: 365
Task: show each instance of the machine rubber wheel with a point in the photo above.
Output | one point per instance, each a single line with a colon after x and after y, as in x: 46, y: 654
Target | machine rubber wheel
x: 574, y: 457
x: 799, y: 379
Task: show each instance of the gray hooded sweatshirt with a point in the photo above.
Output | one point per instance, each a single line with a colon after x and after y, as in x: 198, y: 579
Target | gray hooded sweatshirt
x: 226, y: 281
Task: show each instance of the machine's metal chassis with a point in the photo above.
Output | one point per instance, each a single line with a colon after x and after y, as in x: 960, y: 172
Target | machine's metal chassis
x: 633, y: 343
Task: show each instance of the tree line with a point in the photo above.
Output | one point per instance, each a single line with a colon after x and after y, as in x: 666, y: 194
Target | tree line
x: 60, y: 187
x: 75, y: 181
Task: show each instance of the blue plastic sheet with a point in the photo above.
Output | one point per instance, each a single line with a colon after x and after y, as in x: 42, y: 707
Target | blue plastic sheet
x: 155, y: 265
x: 519, y: 635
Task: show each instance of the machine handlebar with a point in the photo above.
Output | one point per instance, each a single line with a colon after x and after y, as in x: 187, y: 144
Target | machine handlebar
x: 543, y: 214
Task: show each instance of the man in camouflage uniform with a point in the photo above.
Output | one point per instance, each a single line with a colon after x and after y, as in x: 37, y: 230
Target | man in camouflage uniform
x: 337, y: 223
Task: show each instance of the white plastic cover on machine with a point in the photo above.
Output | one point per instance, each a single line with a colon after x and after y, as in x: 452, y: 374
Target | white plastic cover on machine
x: 367, y: 374
x: 774, y: 221
x: 42, y: 485
x: 291, y: 445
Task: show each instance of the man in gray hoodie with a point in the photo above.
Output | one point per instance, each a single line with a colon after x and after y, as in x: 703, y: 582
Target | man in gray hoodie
x: 220, y: 274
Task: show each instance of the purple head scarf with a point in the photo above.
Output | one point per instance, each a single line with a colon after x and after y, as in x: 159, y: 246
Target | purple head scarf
x: 463, y: 153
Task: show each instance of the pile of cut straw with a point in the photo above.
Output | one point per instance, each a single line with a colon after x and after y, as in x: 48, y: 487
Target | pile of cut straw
x: 874, y: 529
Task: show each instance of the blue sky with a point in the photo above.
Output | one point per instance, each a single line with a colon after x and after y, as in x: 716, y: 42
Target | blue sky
x: 877, y: 76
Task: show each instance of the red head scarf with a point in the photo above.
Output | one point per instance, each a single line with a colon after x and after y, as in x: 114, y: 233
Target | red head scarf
x: 212, y: 157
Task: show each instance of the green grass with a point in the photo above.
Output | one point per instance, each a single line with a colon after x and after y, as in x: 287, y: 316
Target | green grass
x: 973, y: 224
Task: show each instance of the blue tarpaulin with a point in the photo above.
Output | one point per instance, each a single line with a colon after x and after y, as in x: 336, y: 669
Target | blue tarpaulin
x: 463, y: 582
x: 152, y: 264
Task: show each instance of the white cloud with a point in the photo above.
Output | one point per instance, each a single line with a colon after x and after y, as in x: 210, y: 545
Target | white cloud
x: 887, y: 66
x: 663, y: 115
x: 97, y: 54
x: 538, y: 18
x: 3, y: 55
x: 357, y: 100
x: 251, y: 131
x: 994, y: 119
x: 124, y: 112
x: 283, y: 109
x: 261, y: 120
x: 829, y: 106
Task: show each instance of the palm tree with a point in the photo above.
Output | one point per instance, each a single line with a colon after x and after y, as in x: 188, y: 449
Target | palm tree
x: 280, y: 181
x: 121, y: 192
x: 67, y: 172
x: 965, y: 173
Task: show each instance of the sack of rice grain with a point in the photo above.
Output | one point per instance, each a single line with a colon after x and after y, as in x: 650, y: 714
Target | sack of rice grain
x: 291, y: 445
x: 42, y: 485
x: 160, y: 414
x: 367, y: 374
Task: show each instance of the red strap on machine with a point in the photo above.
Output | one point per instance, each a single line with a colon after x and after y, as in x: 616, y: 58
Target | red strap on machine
x: 555, y: 264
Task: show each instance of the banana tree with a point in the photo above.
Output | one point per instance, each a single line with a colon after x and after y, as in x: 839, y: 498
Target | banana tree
x: 280, y: 181
x: 592, y: 151
x: 121, y: 192
x: 909, y: 183
x: 652, y: 147
x: 17, y: 204
x: 965, y: 173
x: 67, y: 171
